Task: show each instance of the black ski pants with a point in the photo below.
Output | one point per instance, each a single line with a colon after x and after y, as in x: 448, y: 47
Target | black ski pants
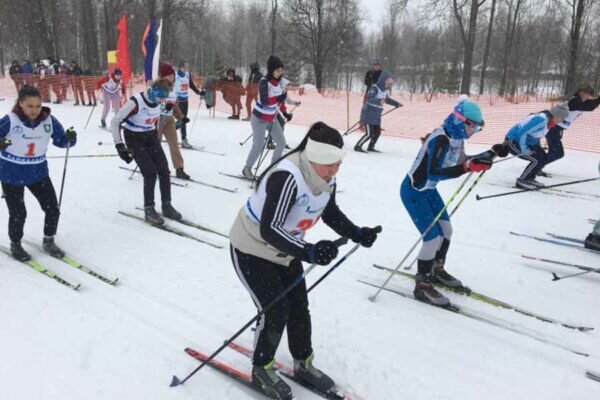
x: 45, y: 194
x: 183, y: 106
x: 372, y: 133
x: 150, y: 157
x: 265, y: 281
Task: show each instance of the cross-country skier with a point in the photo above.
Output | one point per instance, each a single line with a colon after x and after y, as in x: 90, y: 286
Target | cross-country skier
x: 24, y: 136
x: 184, y: 82
x: 441, y: 157
x: 111, y: 85
x: 372, y: 109
x: 167, y: 126
x: 524, y: 141
x: 592, y: 241
x: 271, y: 100
x: 139, y: 118
x: 582, y: 101
x: 268, y: 247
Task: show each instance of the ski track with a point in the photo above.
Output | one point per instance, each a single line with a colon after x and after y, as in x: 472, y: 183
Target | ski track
x: 126, y: 342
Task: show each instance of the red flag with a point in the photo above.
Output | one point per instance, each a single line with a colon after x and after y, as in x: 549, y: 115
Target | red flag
x: 123, y: 49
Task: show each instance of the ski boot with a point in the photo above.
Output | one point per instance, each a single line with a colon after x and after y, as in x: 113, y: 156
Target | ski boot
x: 544, y: 174
x: 592, y: 242
x: 150, y: 215
x: 442, y: 276
x: 305, y: 370
x: 267, y: 380
x: 372, y: 149
x: 103, y: 123
x: 359, y: 149
x: 247, y: 173
x: 51, y: 248
x: 425, y: 292
x: 170, y: 212
x: 18, y: 252
x: 528, y: 184
x: 180, y: 173
x: 185, y: 144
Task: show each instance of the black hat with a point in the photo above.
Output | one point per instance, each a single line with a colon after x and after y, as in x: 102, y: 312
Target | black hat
x: 273, y: 63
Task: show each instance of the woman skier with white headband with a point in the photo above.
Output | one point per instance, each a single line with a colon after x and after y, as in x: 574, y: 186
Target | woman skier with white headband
x: 268, y: 247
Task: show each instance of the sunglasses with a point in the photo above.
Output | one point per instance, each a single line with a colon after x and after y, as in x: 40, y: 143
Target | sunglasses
x: 476, y: 126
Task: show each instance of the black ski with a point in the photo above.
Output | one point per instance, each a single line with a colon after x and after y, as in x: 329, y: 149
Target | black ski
x: 491, y: 301
x: 193, y: 225
x: 550, y: 191
x: 241, y: 177
x: 461, y: 311
x: 562, y: 263
x: 593, y: 375
x: 565, y: 238
x: 553, y: 241
x: 195, y: 148
x: 137, y: 171
x: 333, y: 394
x: 167, y: 228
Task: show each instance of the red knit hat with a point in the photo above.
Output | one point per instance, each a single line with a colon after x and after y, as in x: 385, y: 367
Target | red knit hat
x: 165, y: 69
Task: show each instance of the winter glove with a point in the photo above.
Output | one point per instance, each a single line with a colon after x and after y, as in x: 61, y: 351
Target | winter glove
x: 185, y: 120
x: 501, y: 149
x: 71, y: 135
x: 288, y: 116
x: 4, y: 143
x: 124, y: 153
x: 203, y: 93
x: 322, y: 253
x: 398, y: 105
x: 281, y: 98
x: 297, y: 103
x: 477, y: 164
x: 366, y: 236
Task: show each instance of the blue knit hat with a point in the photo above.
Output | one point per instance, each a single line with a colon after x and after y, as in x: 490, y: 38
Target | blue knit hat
x: 465, y: 109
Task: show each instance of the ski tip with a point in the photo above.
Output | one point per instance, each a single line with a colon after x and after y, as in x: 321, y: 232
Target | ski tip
x: 555, y: 277
x: 477, y: 197
x: 175, y: 381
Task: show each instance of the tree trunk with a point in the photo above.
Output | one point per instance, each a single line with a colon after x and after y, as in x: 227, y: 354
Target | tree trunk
x: 486, y: 51
x: 511, y: 24
x: 575, y: 35
x: 274, y: 7
x: 90, y: 39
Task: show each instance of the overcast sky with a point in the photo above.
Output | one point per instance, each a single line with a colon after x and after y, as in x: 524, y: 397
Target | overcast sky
x: 374, y: 11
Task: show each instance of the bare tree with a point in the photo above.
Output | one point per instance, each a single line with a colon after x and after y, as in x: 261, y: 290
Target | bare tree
x: 486, y: 51
x: 391, y: 32
x: 511, y: 25
x: 578, y: 9
x: 468, y: 38
x: 274, y: 9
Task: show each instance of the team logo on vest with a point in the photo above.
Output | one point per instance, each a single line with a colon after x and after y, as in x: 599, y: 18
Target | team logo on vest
x: 47, y: 128
x: 302, y: 200
x: 143, y: 110
x: 18, y: 130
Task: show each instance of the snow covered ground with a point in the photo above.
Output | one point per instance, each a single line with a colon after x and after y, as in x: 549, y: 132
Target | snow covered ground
x: 126, y: 342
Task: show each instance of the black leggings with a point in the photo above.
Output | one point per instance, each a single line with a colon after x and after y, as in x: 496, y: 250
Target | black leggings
x: 183, y: 106
x: 150, y: 157
x: 45, y: 195
x: 265, y: 281
x: 372, y: 133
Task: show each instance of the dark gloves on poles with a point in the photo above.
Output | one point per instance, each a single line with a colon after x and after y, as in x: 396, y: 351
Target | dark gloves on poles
x: 288, y: 116
x: 203, y: 93
x: 322, y: 253
x: 501, y: 149
x: 71, y: 135
x: 4, y: 143
x: 366, y: 236
x: 124, y: 153
x: 281, y: 98
x: 180, y: 122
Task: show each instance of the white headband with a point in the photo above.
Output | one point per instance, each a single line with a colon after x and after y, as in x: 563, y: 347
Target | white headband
x: 323, y: 153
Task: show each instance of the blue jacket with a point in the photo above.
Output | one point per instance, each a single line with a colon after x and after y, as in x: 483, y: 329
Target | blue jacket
x: 527, y: 133
x: 22, y: 175
x: 27, y: 68
x: 372, y: 109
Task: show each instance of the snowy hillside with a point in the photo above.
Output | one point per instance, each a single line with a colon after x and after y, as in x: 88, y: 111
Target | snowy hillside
x: 126, y: 342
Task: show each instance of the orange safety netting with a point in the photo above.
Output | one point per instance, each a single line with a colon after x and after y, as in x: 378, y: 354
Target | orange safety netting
x: 419, y: 115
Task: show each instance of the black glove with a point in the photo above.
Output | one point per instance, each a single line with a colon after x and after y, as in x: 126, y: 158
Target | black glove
x: 366, y: 236
x: 501, y: 149
x: 203, y: 93
x: 288, y: 116
x: 4, y: 143
x: 185, y: 120
x: 124, y: 153
x: 71, y: 135
x: 398, y: 105
x: 322, y: 253
x: 281, y: 98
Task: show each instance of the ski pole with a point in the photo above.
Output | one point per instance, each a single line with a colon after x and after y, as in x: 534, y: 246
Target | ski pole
x: 196, y: 117
x: 62, y: 184
x: 355, y: 127
x: 339, y: 242
x: 478, y: 197
x: 245, y: 140
x: 133, y: 172
x: 435, y: 220
x: 86, y: 156
x: 90, y: 116
x: 558, y: 278
x: 455, y: 208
